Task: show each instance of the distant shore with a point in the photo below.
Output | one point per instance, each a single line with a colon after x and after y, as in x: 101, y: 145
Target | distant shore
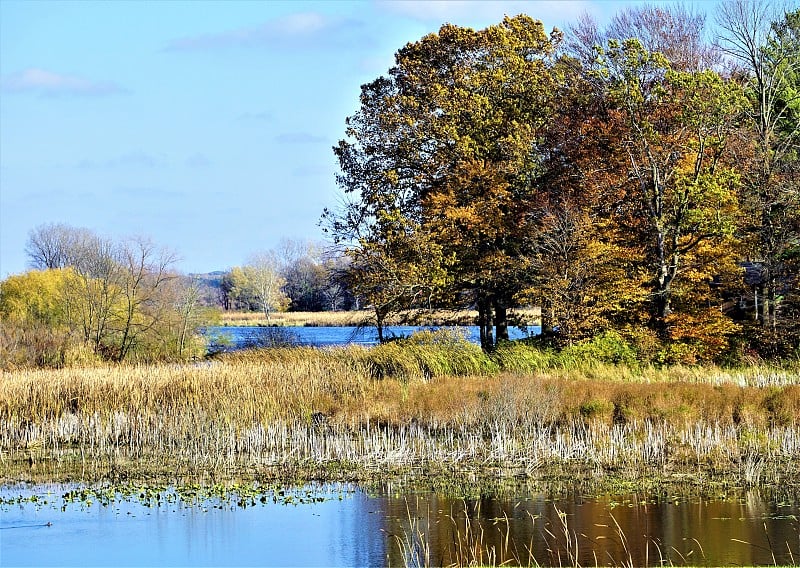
x: 529, y: 316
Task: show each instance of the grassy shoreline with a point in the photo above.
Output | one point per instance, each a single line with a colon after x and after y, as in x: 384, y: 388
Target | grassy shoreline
x: 434, y: 409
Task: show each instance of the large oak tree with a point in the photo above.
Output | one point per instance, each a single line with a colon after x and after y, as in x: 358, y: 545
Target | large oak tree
x: 448, y: 143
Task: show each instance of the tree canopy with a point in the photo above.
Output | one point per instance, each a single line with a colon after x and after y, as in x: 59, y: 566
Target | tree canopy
x: 605, y: 177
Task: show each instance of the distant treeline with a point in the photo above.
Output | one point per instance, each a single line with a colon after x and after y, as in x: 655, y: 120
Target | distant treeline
x: 300, y: 276
x: 89, y: 298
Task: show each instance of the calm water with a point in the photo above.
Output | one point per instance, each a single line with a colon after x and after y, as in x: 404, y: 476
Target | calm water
x: 240, y: 337
x: 352, y: 528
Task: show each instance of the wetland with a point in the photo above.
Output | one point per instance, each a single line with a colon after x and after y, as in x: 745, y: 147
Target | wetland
x: 421, y: 451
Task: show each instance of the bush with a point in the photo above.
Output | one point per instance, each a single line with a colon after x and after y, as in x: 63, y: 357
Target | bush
x: 429, y: 354
x: 608, y: 347
x: 26, y: 346
x: 523, y: 357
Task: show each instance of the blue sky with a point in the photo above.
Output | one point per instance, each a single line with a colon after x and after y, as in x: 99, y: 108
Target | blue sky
x: 206, y: 126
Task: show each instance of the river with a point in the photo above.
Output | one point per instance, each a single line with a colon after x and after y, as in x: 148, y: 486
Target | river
x: 342, y: 525
x: 239, y: 337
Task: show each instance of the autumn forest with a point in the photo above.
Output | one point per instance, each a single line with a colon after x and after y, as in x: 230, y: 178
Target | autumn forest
x: 637, y: 181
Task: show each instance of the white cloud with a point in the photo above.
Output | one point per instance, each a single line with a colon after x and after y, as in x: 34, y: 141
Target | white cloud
x: 299, y: 30
x: 304, y: 23
x: 47, y: 83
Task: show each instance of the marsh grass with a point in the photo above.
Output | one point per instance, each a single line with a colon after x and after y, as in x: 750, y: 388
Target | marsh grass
x: 476, y: 542
x: 433, y: 403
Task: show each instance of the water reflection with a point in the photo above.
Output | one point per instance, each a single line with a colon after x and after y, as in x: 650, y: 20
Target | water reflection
x: 353, y: 528
x: 605, y: 530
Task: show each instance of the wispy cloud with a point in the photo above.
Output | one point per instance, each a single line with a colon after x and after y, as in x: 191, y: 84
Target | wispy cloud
x: 136, y: 159
x: 299, y: 138
x: 198, y: 161
x: 142, y: 192
x: 462, y: 12
x: 301, y: 30
x: 48, y: 83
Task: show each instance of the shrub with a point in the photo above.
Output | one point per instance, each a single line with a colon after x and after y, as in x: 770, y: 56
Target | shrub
x: 607, y: 347
x: 523, y: 357
x: 429, y: 354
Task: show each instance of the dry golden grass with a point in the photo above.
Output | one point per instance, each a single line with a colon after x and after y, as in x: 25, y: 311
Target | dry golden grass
x: 336, y: 319
x: 399, y: 404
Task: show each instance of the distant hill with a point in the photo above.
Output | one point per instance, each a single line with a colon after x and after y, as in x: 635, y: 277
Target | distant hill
x: 210, y: 282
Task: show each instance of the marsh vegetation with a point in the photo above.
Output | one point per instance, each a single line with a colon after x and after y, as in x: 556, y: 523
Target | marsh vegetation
x: 432, y: 405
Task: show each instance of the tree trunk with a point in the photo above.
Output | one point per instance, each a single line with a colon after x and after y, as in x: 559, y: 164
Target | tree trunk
x: 485, y: 324
x: 501, y: 320
x: 661, y: 311
x: 380, y: 316
x: 771, y: 305
x: 547, y: 318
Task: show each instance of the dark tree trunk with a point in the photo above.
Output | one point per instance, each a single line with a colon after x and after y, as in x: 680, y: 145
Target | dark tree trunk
x: 380, y: 317
x: 547, y: 318
x: 501, y: 320
x: 485, y: 323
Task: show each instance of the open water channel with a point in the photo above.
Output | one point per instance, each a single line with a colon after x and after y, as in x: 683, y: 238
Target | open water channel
x: 238, y: 337
x: 337, y: 525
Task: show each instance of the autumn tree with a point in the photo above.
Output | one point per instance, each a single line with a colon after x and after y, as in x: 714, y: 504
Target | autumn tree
x: 576, y: 277
x: 304, y: 272
x: 675, y: 31
x: 765, y: 42
x: 191, y: 313
x: 447, y: 143
x: 57, y: 245
x: 34, y: 321
x: 115, y: 300
x: 336, y: 293
x: 259, y: 285
x: 35, y: 296
x: 145, y: 273
x: 403, y: 268
x: 680, y: 194
x: 95, y: 294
